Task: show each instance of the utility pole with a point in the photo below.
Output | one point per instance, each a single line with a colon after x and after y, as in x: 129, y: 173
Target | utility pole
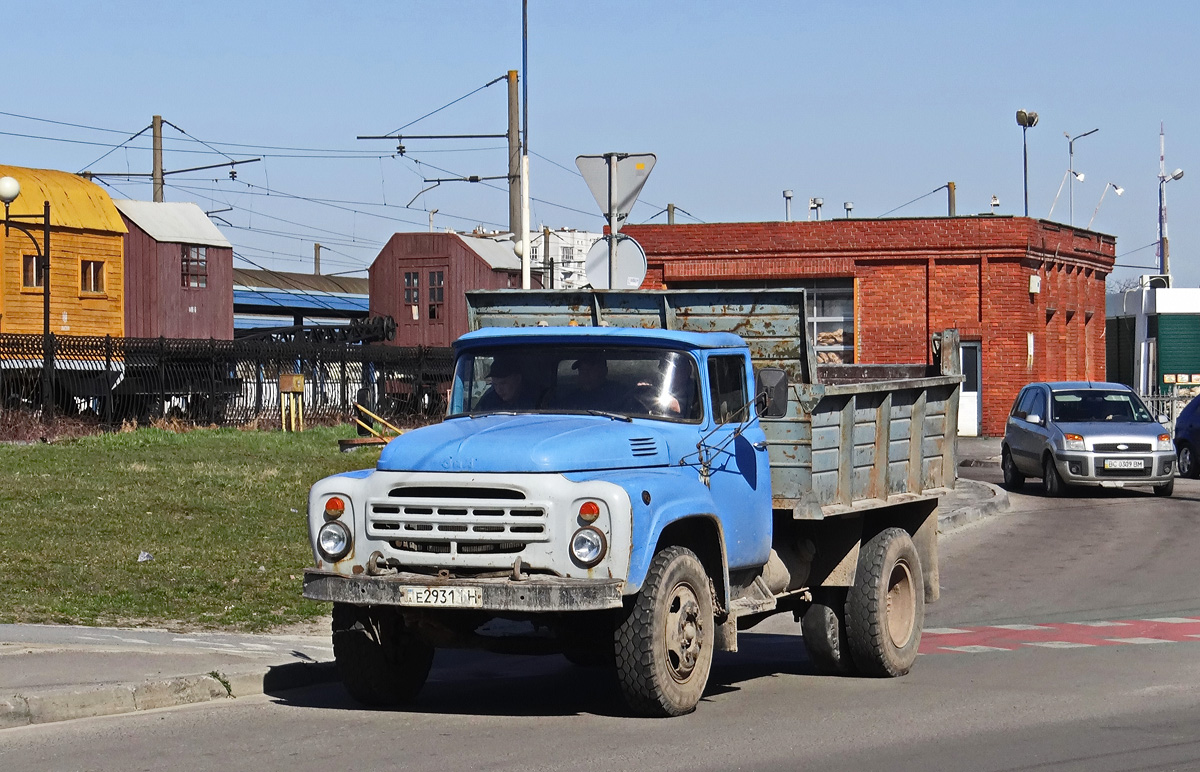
x: 157, y: 173
x: 670, y: 214
x: 950, y: 198
x: 316, y: 259
x: 547, y: 263
x: 514, y: 157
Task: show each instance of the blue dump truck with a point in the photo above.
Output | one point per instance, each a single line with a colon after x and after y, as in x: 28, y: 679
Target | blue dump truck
x: 632, y: 478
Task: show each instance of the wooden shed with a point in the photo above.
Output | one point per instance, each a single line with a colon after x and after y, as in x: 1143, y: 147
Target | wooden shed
x: 86, y: 258
x: 178, y: 272
x: 419, y: 279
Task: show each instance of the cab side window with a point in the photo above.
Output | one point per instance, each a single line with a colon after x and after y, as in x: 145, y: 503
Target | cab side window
x: 727, y: 384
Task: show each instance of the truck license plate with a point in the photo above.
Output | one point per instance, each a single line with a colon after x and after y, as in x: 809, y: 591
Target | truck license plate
x: 1124, y: 463
x: 451, y: 597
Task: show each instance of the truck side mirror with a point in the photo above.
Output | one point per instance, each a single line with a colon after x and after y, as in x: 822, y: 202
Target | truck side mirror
x: 771, y: 388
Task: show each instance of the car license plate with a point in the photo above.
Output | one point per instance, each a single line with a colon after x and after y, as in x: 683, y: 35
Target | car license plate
x: 1124, y: 463
x: 450, y: 597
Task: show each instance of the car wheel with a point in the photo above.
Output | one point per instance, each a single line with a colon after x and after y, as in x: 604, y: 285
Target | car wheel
x: 1187, y: 461
x: 1166, y: 489
x: 1052, y: 482
x: 1013, y: 479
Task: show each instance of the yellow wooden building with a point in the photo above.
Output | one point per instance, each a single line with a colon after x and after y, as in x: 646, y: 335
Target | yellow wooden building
x: 87, y: 278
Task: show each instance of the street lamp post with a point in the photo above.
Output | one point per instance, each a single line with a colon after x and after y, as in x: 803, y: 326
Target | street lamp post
x: 1026, y: 120
x: 1119, y: 190
x: 9, y: 190
x: 1071, y: 166
x: 1164, y: 262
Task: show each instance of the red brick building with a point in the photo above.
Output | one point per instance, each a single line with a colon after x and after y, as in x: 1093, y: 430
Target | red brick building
x: 1026, y: 295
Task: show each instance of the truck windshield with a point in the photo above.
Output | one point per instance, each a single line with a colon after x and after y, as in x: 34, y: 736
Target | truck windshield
x: 1093, y: 405
x: 632, y: 382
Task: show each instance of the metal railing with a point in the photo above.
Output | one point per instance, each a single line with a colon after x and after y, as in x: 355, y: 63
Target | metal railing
x: 220, y: 382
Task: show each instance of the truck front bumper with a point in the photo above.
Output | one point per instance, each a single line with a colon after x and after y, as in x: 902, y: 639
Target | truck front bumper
x: 530, y: 594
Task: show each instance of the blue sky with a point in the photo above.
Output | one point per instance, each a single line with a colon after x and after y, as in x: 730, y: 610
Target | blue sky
x: 875, y: 103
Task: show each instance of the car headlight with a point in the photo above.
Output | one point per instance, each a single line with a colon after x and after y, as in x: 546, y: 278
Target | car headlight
x: 588, y: 546
x: 1164, y: 442
x: 1073, y: 442
x: 333, y: 541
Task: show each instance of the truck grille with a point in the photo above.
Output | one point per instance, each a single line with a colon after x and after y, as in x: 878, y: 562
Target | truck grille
x: 459, y: 520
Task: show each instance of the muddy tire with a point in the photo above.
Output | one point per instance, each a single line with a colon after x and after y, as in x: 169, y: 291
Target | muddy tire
x: 1052, y: 482
x: 1166, y: 489
x: 824, y: 628
x: 1013, y: 479
x: 885, y: 609
x: 664, y: 643
x: 380, y: 663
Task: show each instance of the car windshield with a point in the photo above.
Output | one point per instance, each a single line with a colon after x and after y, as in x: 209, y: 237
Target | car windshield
x: 1095, y: 405
x: 622, y: 381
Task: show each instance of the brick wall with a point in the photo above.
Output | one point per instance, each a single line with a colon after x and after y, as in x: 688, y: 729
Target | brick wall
x: 916, y: 276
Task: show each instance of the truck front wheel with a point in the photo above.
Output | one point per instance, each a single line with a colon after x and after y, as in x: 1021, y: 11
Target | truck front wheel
x: 664, y: 643
x: 379, y: 661
x: 886, y: 606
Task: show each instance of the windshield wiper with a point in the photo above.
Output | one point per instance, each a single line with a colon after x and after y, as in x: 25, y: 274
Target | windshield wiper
x: 607, y: 414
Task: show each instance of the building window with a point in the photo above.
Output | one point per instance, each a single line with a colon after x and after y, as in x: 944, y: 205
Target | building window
x: 91, y: 276
x: 436, y: 294
x: 195, y: 267
x: 533, y: 253
x: 30, y: 275
x: 568, y: 254
x: 412, y: 288
x: 832, y: 319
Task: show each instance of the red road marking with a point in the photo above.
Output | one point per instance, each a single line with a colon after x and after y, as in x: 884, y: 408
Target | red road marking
x: 1060, y: 635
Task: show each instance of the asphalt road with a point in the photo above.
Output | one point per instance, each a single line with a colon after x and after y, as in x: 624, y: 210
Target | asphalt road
x: 1066, y: 638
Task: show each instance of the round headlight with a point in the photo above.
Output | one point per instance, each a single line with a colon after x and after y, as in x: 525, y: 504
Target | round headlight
x: 588, y: 546
x: 333, y: 540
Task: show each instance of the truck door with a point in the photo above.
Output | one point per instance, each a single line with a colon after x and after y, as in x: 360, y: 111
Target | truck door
x: 739, y: 474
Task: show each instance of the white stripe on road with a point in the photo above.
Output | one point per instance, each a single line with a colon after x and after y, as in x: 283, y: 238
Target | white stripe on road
x: 1139, y: 640
x: 973, y: 649
x: 1059, y: 644
x: 1022, y: 627
x: 943, y: 631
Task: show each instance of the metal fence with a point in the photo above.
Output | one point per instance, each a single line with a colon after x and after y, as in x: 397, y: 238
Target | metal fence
x: 217, y: 381
x: 1169, y: 404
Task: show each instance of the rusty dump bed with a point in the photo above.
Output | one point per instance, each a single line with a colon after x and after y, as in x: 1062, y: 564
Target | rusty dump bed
x: 854, y: 437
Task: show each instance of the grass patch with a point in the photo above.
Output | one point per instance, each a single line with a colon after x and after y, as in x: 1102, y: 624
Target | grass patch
x: 221, y: 511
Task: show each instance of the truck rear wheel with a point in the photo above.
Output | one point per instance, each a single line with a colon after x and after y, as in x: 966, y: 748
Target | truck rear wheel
x: 824, y: 628
x: 379, y: 661
x: 885, y: 609
x: 664, y: 644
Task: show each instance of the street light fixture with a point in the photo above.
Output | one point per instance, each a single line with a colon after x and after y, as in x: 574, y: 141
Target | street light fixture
x: 1069, y: 172
x: 1119, y: 190
x: 1071, y: 165
x: 1164, y: 262
x: 1026, y: 120
x: 9, y: 190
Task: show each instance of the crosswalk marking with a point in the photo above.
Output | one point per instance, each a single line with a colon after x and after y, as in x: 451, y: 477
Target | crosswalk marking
x: 1022, y: 627
x: 943, y: 631
x: 1059, y: 644
x: 973, y: 649
x: 1139, y: 640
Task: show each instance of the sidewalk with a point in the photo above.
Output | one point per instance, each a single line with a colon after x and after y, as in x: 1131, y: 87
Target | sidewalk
x: 57, y: 673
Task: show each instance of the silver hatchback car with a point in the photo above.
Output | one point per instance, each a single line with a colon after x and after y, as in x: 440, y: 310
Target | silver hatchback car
x: 1084, y: 433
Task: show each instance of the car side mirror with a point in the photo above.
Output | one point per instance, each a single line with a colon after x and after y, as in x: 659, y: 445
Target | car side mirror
x: 1162, y: 419
x: 771, y: 388
x: 1034, y: 418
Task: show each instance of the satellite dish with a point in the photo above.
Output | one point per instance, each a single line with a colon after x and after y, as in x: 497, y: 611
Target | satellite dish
x: 630, y: 269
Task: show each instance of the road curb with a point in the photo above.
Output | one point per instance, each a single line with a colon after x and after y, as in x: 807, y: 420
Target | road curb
x: 998, y: 502
x: 54, y: 705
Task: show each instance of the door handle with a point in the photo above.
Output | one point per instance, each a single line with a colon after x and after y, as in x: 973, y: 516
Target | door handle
x: 762, y: 445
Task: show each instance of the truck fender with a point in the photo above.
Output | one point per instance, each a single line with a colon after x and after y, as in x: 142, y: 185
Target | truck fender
x: 686, y: 520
